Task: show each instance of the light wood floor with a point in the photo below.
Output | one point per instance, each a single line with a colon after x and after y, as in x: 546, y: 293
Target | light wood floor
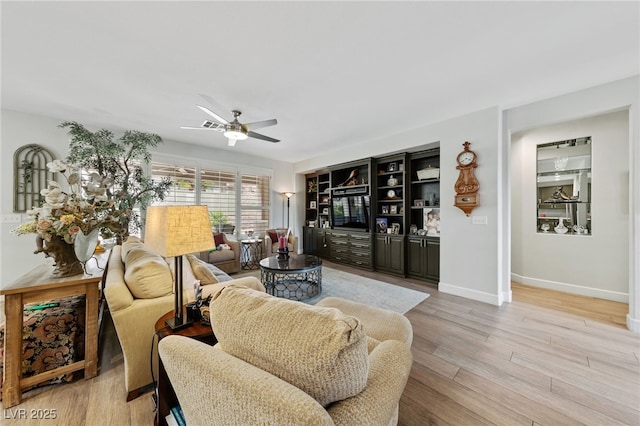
x: 544, y: 359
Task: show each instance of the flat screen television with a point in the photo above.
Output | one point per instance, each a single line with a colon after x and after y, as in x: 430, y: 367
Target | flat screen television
x: 350, y: 211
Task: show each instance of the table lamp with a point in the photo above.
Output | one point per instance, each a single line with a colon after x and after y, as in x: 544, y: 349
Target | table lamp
x: 172, y: 231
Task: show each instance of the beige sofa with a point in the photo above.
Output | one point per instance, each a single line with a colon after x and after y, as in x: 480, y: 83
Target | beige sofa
x: 139, y: 290
x: 287, y: 363
x: 227, y: 260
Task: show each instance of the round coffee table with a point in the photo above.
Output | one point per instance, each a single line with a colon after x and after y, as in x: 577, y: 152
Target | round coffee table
x: 297, y: 278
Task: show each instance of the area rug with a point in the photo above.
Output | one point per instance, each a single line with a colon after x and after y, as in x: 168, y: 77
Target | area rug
x: 364, y: 290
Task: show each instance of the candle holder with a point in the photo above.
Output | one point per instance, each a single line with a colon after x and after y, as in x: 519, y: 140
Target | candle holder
x: 283, y: 254
x: 283, y: 243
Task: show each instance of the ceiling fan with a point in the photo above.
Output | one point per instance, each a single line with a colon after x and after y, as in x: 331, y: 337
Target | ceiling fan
x: 235, y: 130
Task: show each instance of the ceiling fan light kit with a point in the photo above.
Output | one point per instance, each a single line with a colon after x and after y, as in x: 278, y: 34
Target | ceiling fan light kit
x: 234, y: 130
x: 235, y: 134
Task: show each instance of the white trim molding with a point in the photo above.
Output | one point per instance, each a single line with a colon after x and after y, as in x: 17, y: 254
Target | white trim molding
x: 572, y: 288
x: 480, y: 296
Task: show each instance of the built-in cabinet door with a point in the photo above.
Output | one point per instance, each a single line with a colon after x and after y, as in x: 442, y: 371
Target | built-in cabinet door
x: 416, y: 258
x: 309, y: 240
x: 423, y: 258
x: 323, y: 243
x: 433, y: 258
x: 390, y: 253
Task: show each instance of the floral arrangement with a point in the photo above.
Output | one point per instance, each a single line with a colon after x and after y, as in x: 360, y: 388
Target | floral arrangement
x: 85, y: 207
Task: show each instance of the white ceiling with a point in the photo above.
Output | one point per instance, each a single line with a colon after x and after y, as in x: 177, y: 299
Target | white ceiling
x: 332, y: 73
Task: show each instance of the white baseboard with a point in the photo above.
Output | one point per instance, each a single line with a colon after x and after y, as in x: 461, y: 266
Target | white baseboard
x: 633, y: 324
x: 468, y: 293
x: 572, y: 288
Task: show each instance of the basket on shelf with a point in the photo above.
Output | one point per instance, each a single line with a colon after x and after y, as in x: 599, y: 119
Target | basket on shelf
x: 429, y: 173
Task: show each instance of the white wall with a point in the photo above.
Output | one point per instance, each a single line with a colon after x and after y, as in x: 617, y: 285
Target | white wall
x: 16, y: 253
x: 19, y: 129
x: 468, y: 252
x: 594, y: 265
x: 621, y: 94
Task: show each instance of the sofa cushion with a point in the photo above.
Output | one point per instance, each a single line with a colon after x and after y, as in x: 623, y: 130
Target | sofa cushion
x: 147, y: 274
x: 131, y: 243
x: 218, y: 239
x: 201, y: 270
x: 319, y: 350
x: 218, y: 256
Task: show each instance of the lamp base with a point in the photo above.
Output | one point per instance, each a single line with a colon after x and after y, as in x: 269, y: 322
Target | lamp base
x: 175, y: 324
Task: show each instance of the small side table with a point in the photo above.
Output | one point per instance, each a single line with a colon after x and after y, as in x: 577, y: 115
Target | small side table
x: 166, y: 396
x: 251, y: 253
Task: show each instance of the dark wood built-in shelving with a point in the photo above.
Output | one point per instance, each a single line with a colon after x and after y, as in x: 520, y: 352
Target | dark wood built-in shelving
x: 393, y: 186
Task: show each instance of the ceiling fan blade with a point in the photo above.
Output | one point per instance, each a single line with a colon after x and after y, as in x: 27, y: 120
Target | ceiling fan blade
x: 232, y: 142
x: 263, y: 137
x: 199, y: 128
x: 213, y: 114
x: 260, y: 124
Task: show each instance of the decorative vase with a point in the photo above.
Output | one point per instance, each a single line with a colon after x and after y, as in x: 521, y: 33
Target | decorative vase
x: 561, y: 229
x: 283, y: 239
x: 85, y: 245
x: 64, y: 255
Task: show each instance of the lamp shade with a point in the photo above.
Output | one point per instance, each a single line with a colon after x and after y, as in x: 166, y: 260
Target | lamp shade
x: 177, y: 230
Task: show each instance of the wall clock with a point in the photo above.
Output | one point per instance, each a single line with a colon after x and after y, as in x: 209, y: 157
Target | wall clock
x: 467, y: 185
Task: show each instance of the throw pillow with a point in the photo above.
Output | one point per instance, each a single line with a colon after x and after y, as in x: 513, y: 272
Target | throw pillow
x: 202, y: 270
x: 274, y: 237
x: 187, y: 273
x: 319, y: 350
x: 218, y: 239
x: 147, y: 274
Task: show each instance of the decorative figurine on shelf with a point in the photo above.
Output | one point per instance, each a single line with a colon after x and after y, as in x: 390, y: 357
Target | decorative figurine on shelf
x: 312, y: 186
x: 193, y: 308
x: 352, y: 179
x: 561, y: 229
x: 558, y: 195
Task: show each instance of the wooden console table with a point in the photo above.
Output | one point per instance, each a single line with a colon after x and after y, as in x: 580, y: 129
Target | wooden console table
x: 38, y: 286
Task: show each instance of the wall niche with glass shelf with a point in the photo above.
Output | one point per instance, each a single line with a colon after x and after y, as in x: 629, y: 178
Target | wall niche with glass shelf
x: 563, y: 184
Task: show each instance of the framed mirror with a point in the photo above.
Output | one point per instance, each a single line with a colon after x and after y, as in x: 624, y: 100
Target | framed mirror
x: 563, y: 186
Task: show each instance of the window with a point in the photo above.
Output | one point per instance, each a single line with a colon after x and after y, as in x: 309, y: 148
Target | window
x: 183, y: 178
x: 218, y: 191
x: 238, y: 201
x: 254, y: 203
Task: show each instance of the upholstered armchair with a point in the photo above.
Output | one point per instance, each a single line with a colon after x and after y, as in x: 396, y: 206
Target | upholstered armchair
x: 270, y: 242
x: 227, y: 260
x: 326, y: 372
